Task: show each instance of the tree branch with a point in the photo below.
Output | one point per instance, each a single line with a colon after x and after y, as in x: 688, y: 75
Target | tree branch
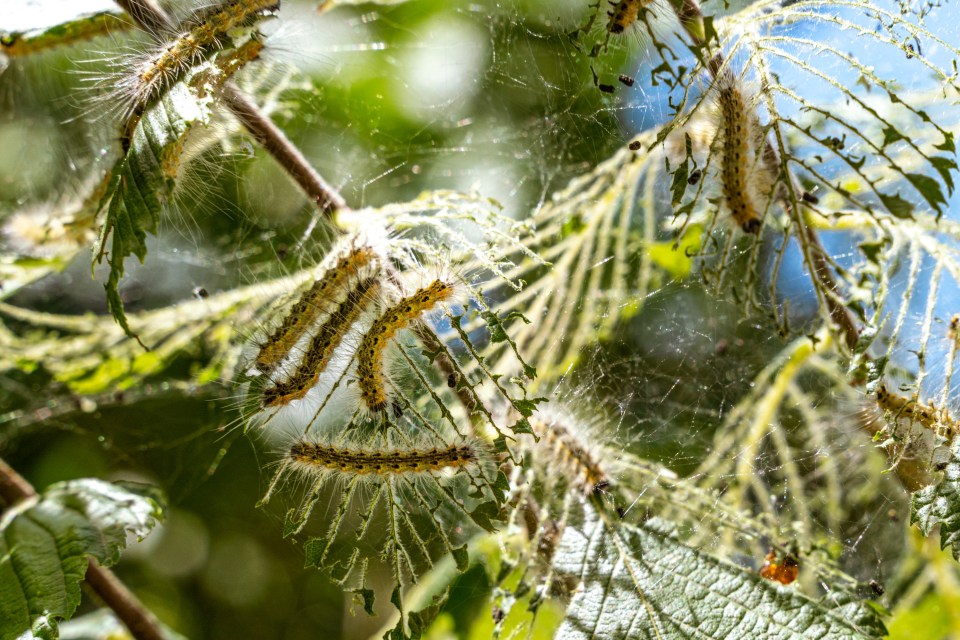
x: 155, y: 21
x: 143, y: 625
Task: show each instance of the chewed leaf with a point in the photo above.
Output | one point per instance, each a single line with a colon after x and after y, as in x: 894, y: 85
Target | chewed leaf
x: 140, y: 187
x: 640, y: 582
x: 939, y: 504
x: 45, y: 547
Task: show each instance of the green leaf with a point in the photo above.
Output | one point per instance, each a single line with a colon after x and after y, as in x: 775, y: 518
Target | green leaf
x: 891, y: 135
x: 640, y: 582
x: 947, y: 144
x: 141, y: 185
x: 897, y: 206
x: 939, y: 504
x: 676, y: 257
x: 46, y: 544
x: 929, y: 189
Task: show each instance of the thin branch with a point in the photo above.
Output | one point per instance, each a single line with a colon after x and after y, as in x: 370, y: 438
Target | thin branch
x: 154, y: 20
x: 141, y: 622
x: 691, y: 18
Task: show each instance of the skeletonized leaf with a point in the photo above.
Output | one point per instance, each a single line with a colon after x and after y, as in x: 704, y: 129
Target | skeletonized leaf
x: 640, y: 582
x: 45, y: 546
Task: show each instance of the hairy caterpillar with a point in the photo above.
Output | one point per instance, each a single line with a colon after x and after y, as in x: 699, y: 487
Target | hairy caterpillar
x: 322, y: 346
x: 320, y: 298
x: 926, y: 415
x: 85, y: 27
x: 737, y: 157
x: 312, y: 457
x: 570, y: 452
x: 624, y: 14
x: 370, y: 374
x: 202, y: 34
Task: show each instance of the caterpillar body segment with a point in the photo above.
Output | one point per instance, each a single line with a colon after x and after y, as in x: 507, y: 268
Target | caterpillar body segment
x: 323, y: 297
x: 323, y: 345
x: 312, y: 457
x: 925, y: 415
x: 201, y: 35
x: 371, y: 377
x: 624, y: 14
x: 737, y: 157
x: 570, y: 452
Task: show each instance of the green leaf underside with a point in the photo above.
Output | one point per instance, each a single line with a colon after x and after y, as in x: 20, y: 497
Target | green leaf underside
x: 640, y: 582
x: 140, y: 188
x: 939, y: 504
x: 45, y: 546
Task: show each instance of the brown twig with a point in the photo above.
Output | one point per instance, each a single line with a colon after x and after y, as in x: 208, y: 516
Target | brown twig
x: 155, y: 21
x: 691, y: 18
x: 141, y: 622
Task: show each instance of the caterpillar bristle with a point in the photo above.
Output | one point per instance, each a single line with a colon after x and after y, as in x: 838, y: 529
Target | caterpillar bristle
x: 318, y: 457
x: 323, y: 344
x: 371, y: 377
x: 737, y: 157
x: 322, y: 297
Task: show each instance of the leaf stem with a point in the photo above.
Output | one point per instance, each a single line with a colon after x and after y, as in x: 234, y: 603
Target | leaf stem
x: 155, y: 21
x: 141, y: 622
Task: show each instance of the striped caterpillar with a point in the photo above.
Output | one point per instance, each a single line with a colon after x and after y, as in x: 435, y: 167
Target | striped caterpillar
x: 737, y: 158
x: 322, y: 345
x: 926, y: 415
x: 201, y: 35
x: 567, y: 449
x: 370, y: 366
x: 312, y: 457
x: 624, y: 14
x: 320, y: 298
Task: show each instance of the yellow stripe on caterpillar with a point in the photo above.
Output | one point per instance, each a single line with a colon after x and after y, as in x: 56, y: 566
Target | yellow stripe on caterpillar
x: 319, y: 298
x: 313, y: 457
x: 737, y: 158
x: 322, y: 346
x: 370, y: 375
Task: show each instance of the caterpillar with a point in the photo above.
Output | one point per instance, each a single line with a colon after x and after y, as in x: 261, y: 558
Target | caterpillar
x: 624, y: 14
x: 926, y: 415
x: 312, y: 457
x: 737, y: 158
x: 319, y: 298
x: 370, y: 374
x: 322, y: 346
x: 568, y: 450
x: 203, y: 33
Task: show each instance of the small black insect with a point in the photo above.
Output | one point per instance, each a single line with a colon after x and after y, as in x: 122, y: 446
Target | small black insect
x: 634, y: 146
x: 625, y: 79
x: 606, y: 88
x: 695, y: 176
